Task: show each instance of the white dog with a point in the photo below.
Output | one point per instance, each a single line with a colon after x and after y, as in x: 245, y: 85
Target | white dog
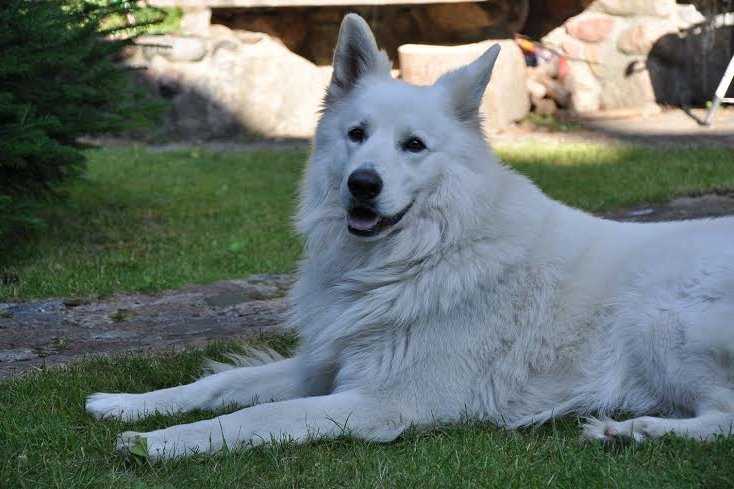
x: 438, y: 284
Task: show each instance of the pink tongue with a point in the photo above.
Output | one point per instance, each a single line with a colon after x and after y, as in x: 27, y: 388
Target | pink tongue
x: 362, y: 222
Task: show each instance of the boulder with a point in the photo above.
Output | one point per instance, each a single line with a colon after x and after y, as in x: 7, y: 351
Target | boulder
x: 506, y: 99
x: 249, y: 84
x: 196, y: 20
x: 275, y: 92
x: 173, y: 48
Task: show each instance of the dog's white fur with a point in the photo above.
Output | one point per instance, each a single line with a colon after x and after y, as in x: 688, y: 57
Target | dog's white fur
x: 487, y: 300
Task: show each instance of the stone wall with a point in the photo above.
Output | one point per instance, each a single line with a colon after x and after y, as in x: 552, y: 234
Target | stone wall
x: 263, y: 72
x: 621, y: 54
x: 312, y: 32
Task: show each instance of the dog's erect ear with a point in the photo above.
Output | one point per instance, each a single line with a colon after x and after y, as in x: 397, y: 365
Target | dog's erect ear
x: 355, y: 56
x: 467, y: 84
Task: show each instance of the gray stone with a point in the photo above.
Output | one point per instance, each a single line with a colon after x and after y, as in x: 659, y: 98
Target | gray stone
x: 196, y: 20
x: 115, y: 335
x: 137, y: 322
x: 247, y: 84
x: 249, y: 291
x: 18, y: 355
x: 506, y: 99
x: 174, y: 48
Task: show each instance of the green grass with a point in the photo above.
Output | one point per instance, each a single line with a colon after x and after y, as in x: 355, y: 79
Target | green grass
x: 46, y: 440
x: 147, y: 221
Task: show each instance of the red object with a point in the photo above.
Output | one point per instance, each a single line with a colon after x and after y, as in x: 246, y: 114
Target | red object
x: 562, y: 68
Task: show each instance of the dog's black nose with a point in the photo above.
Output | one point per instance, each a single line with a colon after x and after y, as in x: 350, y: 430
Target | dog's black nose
x: 364, y: 184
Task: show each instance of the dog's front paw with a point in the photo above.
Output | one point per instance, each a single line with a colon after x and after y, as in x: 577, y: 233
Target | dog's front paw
x: 156, y: 445
x: 126, y: 407
x: 150, y: 446
x: 132, y: 444
x: 608, y: 430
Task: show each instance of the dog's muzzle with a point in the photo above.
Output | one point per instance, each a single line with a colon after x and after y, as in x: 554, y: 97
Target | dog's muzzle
x: 364, y: 220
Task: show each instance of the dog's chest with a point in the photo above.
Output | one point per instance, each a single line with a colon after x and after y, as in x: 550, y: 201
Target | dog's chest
x: 482, y: 350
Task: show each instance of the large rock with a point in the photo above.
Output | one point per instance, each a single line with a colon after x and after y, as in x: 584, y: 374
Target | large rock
x: 276, y: 93
x: 173, y: 48
x: 246, y: 83
x: 196, y: 20
x: 506, y: 99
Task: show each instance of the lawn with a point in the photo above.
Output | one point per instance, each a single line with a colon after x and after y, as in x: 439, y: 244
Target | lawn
x: 147, y: 221
x: 48, y: 441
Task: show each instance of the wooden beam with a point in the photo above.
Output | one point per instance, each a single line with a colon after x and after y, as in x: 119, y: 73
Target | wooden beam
x: 293, y: 3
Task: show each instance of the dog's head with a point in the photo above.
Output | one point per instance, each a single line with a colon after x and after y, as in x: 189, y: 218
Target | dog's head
x: 383, y: 147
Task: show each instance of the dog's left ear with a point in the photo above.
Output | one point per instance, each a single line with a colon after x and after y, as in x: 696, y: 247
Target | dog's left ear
x: 466, y: 85
x: 356, y: 55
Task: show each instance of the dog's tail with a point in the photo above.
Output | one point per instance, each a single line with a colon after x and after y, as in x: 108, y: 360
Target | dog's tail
x: 543, y: 417
x: 250, y: 357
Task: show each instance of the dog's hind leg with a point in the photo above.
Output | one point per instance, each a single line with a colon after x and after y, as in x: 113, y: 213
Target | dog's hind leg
x: 298, y: 420
x: 701, y: 428
x: 713, y: 418
x: 274, y: 381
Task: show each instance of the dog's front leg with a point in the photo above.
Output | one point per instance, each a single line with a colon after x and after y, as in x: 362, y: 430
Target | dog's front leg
x: 240, y: 386
x: 299, y: 420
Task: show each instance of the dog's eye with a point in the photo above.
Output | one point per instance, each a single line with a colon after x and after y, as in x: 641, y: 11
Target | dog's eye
x: 356, y: 134
x: 414, y: 145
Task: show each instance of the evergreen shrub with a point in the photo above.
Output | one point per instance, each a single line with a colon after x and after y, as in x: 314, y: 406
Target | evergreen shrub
x: 59, y: 80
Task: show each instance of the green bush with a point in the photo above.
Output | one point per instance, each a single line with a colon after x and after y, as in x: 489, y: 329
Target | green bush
x: 59, y: 80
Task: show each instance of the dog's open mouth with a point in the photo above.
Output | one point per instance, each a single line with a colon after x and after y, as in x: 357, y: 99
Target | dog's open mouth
x: 365, y: 221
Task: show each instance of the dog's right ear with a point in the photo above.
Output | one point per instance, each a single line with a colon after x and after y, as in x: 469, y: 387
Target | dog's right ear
x: 466, y: 85
x: 355, y: 56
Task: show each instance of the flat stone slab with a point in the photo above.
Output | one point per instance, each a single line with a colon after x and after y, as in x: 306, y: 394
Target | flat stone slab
x: 693, y: 207
x: 55, y: 331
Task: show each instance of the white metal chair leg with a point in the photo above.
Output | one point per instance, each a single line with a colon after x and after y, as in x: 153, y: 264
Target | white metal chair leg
x: 719, y: 97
